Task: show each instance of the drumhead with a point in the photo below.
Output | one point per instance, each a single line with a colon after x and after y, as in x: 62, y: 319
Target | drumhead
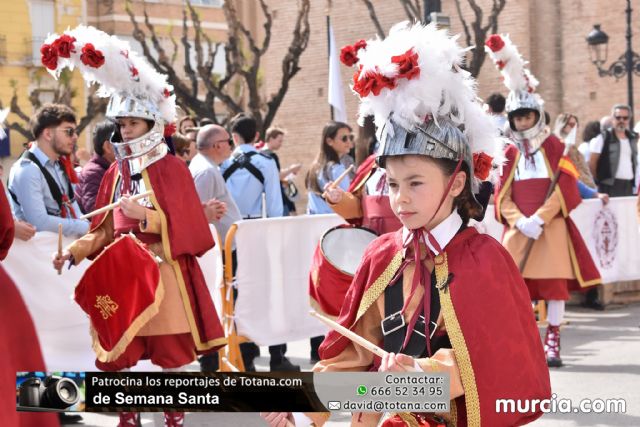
x: 344, y: 247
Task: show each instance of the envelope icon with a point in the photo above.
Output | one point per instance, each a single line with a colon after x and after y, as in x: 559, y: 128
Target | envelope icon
x: 334, y: 406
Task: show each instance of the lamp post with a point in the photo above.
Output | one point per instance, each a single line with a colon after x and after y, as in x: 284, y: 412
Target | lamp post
x: 627, y: 64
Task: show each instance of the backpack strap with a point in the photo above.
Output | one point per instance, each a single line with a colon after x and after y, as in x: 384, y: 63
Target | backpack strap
x: 243, y: 161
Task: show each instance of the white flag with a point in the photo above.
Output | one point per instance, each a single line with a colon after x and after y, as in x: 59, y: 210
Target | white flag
x: 336, y: 96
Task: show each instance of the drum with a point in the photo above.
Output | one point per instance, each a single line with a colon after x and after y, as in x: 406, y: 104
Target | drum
x: 120, y: 292
x: 335, y: 261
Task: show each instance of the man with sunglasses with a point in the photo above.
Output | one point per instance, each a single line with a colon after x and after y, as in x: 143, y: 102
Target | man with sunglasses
x: 613, y: 157
x: 41, y: 191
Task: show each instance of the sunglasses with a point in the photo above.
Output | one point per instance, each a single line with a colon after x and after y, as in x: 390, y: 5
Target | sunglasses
x: 69, y: 131
x: 621, y: 118
x: 346, y: 138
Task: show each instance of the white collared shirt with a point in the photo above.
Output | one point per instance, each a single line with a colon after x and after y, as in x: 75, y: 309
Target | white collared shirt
x: 443, y: 232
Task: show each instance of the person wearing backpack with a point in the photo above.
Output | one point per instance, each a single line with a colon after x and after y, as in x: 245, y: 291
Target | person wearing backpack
x: 249, y: 174
x: 40, y: 182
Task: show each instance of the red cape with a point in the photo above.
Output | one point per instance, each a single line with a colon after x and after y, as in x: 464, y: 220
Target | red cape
x: 362, y: 173
x: 18, y: 338
x: 185, y: 235
x: 488, y: 318
x: 552, y: 148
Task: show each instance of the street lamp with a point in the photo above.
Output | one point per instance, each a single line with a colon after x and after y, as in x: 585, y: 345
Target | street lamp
x: 627, y: 64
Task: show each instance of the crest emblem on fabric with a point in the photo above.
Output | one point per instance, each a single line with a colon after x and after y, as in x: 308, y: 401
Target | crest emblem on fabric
x: 106, y: 305
x: 605, y: 236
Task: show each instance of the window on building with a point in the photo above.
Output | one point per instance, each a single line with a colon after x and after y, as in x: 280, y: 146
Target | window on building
x: 42, y: 24
x: 3, y: 48
x: 210, y: 3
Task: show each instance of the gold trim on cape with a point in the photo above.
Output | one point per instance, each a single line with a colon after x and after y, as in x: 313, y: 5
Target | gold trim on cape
x: 550, y: 172
x: 374, y: 291
x: 576, y: 267
x: 472, y: 399
x: 506, y: 186
x: 143, y: 318
x: 186, y: 302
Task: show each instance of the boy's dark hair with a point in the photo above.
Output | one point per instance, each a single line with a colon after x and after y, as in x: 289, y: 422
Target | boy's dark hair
x: 245, y: 126
x: 206, y: 121
x: 591, y: 130
x: 101, y: 133
x: 50, y: 115
x: 496, y: 102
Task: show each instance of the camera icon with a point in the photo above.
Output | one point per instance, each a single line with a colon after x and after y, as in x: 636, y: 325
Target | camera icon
x: 53, y: 392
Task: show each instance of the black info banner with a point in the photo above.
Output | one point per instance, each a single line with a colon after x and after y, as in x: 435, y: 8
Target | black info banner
x: 192, y: 392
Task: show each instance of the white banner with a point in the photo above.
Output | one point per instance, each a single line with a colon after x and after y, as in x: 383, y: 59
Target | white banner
x: 610, y: 232
x: 274, y: 259
x: 63, y: 328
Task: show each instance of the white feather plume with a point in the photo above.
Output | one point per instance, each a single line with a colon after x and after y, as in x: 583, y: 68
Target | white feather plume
x: 443, y: 88
x: 512, y: 66
x: 123, y: 70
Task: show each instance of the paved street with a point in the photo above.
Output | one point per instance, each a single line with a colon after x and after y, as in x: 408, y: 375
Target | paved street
x: 601, y: 351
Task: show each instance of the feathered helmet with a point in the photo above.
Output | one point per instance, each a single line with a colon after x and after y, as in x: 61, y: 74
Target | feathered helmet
x: 421, y: 99
x: 135, y: 88
x: 520, y: 82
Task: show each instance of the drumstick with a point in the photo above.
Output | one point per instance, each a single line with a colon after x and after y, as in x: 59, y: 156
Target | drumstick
x: 115, y: 205
x: 230, y: 365
x: 350, y: 334
x: 335, y: 183
x: 60, y: 245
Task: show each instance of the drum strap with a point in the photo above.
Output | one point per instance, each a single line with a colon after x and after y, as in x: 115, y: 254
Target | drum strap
x: 394, y: 327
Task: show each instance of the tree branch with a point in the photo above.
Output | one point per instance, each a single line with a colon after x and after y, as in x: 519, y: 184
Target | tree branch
x: 374, y: 18
x: 465, y: 27
x: 410, y: 10
x: 290, y: 63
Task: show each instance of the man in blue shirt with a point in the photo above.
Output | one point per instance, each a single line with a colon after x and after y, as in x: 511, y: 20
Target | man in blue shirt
x: 249, y: 174
x: 41, y: 191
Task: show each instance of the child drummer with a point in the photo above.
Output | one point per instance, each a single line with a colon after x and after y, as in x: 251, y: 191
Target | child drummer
x: 436, y: 295
x: 168, y: 222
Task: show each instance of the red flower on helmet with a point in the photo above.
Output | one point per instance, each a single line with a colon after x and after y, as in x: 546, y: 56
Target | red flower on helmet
x: 371, y: 82
x: 348, y: 56
x: 495, y: 42
x: 49, y: 56
x: 360, y: 44
x: 91, y: 57
x: 482, y: 164
x: 407, y: 64
x: 169, y: 129
x: 64, y: 45
x: 349, y: 53
x: 166, y: 93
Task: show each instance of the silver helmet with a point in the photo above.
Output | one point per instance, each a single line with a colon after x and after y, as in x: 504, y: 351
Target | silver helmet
x: 525, y: 100
x: 146, y: 149
x: 440, y: 140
